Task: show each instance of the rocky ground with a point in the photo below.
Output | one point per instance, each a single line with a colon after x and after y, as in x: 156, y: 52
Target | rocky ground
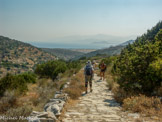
x: 98, y: 106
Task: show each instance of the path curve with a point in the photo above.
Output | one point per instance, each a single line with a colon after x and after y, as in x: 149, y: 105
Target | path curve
x: 98, y: 106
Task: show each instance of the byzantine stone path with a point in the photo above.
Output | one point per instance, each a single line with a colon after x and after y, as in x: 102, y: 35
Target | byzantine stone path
x: 98, y: 106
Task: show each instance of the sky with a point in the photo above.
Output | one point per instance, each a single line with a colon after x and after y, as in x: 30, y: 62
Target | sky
x: 77, y: 23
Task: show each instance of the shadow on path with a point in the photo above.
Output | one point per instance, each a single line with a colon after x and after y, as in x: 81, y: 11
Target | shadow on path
x: 111, y: 103
x: 83, y: 94
x: 99, y: 80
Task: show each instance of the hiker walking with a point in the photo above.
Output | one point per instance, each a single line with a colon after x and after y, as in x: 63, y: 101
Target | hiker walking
x: 102, y: 70
x: 88, y: 72
x: 94, y: 64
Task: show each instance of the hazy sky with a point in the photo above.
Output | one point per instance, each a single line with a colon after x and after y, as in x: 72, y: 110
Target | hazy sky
x: 46, y: 20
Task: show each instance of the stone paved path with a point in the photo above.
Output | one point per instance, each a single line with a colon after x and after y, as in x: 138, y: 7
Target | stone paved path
x: 98, y: 106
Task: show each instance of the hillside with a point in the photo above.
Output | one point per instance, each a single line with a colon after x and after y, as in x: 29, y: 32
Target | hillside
x: 65, y: 54
x: 17, y: 57
x: 113, y: 50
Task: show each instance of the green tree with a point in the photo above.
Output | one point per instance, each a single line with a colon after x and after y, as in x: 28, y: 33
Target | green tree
x: 139, y: 64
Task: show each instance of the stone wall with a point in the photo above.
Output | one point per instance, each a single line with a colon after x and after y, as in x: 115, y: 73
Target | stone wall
x: 52, y: 109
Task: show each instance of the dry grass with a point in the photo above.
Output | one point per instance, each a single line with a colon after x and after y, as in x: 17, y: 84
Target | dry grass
x: 45, y: 90
x: 74, y: 90
x: 20, y: 114
x: 8, y: 101
x: 119, y: 94
x: 76, y: 86
x: 150, y: 106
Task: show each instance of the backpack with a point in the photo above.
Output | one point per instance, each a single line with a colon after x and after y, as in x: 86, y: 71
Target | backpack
x: 88, y: 70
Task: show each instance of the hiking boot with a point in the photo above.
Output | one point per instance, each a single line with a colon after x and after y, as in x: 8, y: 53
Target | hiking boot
x: 91, y: 90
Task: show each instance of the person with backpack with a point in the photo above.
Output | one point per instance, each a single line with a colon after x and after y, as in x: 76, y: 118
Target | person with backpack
x: 88, y: 72
x: 102, y: 70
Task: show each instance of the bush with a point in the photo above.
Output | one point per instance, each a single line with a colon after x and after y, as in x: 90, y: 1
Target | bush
x: 140, y: 64
x: 51, y: 69
x: 16, y: 82
x: 74, y: 66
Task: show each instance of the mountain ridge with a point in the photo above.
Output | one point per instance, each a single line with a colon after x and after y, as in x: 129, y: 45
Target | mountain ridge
x: 112, y: 50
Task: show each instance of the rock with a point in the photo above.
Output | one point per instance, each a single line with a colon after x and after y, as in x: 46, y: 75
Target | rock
x: 46, y: 120
x: 52, y: 116
x: 33, y: 119
x: 55, y: 109
x: 35, y: 113
x: 61, y: 96
x: 134, y: 115
x: 58, y: 92
x: 56, y: 95
x: 43, y: 115
x: 65, y: 86
x: 61, y: 105
x: 56, y: 100
x: 49, y: 104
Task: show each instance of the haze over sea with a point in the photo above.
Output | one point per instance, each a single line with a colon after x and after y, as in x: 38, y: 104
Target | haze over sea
x: 77, y: 23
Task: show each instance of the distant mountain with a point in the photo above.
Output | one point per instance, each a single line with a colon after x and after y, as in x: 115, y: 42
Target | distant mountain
x: 113, y: 50
x: 83, y: 41
x: 17, y: 57
x: 65, y: 54
x: 127, y: 42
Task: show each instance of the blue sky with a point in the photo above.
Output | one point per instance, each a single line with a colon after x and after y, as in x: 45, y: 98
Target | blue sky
x: 72, y: 21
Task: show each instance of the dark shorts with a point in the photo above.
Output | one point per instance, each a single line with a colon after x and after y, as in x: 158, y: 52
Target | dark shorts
x: 88, y: 79
x: 103, y: 70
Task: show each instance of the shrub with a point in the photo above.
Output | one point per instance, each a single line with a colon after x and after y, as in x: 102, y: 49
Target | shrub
x: 74, y: 66
x: 51, y: 69
x: 140, y: 64
x: 16, y: 82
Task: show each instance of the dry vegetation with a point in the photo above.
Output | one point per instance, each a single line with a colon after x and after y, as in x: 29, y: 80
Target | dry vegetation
x: 15, y: 105
x: 75, y: 90
x: 150, y: 106
x: 39, y: 93
x: 147, y: 106
x: 76, y: 86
